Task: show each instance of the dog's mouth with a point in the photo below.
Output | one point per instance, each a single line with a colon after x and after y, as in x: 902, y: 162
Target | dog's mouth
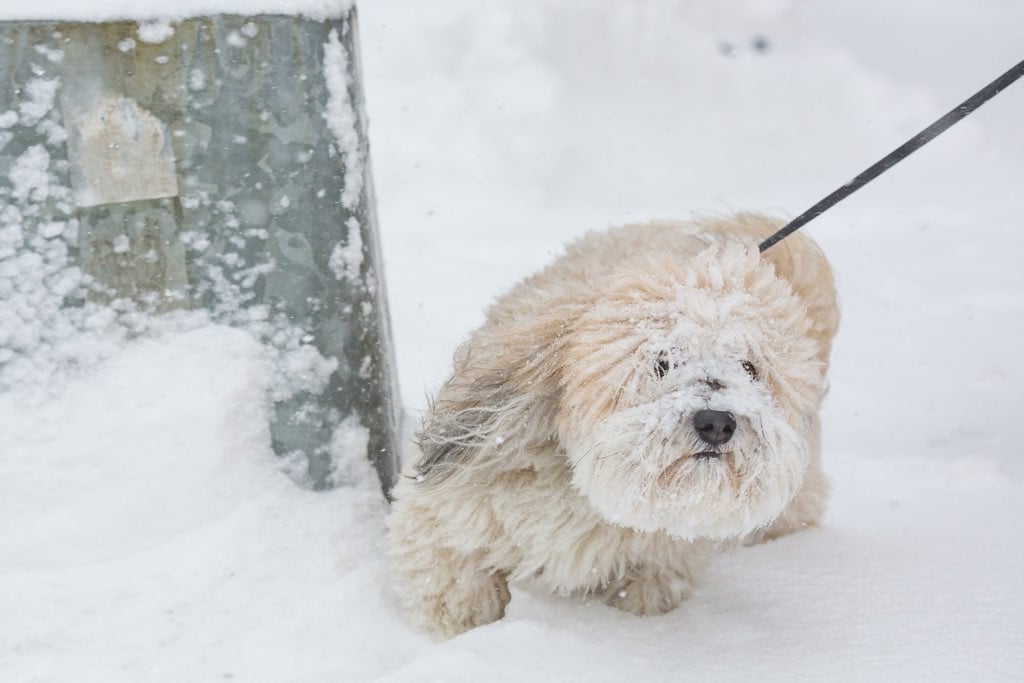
x: 668, y: 475
x: 707, y: 455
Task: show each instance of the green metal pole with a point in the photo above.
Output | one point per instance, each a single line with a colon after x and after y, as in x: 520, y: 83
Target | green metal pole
x: 220, y: 163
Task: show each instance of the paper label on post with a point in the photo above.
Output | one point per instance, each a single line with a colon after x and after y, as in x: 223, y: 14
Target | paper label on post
x: 119, y: 152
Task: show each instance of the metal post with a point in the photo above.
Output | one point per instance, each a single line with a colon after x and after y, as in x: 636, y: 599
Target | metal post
x: 219, y: 163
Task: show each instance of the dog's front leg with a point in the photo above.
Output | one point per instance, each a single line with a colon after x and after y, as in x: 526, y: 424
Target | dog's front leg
x: 443, y: 589
x: 450, y: 593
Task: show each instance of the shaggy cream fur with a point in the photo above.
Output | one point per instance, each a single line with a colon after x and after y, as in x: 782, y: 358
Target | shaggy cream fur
x: 563, y: 449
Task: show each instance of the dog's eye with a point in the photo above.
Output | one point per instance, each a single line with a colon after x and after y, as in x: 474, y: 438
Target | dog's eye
x: 749, y: 367
x: 662, y: 367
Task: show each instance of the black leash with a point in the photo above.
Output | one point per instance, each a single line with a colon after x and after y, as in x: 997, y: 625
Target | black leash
x: 897, y: 155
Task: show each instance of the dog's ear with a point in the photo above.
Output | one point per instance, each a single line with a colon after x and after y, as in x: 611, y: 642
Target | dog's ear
x: 500, y: 402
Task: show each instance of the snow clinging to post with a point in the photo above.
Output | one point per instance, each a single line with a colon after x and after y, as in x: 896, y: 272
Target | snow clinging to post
x: 109, y: 10
x: 342, y: 120
x: 155, y: 32
x: 347, y: 258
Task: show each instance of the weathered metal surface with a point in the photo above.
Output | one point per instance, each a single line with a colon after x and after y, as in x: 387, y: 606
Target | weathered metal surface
x: 223, y: 168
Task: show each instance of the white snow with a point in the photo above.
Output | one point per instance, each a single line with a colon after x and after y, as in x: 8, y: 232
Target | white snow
x: 29, y: 174
x: 342, y: 120
x: 40, y: 93
x: 155, y: 32
x: 235, y: 39
x: 196, y: 79
x: 350, y: 463
x: 149, y: 534
x: 347, y: 258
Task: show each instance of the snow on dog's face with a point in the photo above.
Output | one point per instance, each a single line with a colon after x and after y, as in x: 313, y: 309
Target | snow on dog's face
x: 687, y: 397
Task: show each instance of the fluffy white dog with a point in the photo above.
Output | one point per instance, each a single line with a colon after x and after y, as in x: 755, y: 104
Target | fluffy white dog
x: 648, y: 398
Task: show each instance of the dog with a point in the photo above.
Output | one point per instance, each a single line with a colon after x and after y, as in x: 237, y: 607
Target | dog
x: 645, y: 401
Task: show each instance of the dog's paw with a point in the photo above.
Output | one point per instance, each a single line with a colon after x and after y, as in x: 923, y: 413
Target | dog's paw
x: 464, y: 603
x: 444, y: 591
x: 646, y: 593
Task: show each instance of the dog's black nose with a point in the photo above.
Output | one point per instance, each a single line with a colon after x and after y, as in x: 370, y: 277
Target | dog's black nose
x: 714, y: 426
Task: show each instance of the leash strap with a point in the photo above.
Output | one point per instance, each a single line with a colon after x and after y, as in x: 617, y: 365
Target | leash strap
x: 897, y: 155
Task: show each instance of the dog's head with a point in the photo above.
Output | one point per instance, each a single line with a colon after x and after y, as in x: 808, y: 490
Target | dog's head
x: 687, y: 394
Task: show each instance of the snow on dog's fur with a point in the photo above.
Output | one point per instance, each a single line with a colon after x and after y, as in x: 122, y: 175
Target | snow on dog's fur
x: 649, y: 397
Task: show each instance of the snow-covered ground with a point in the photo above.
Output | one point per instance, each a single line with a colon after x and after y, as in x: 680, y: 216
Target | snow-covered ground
x: 147, y: 533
